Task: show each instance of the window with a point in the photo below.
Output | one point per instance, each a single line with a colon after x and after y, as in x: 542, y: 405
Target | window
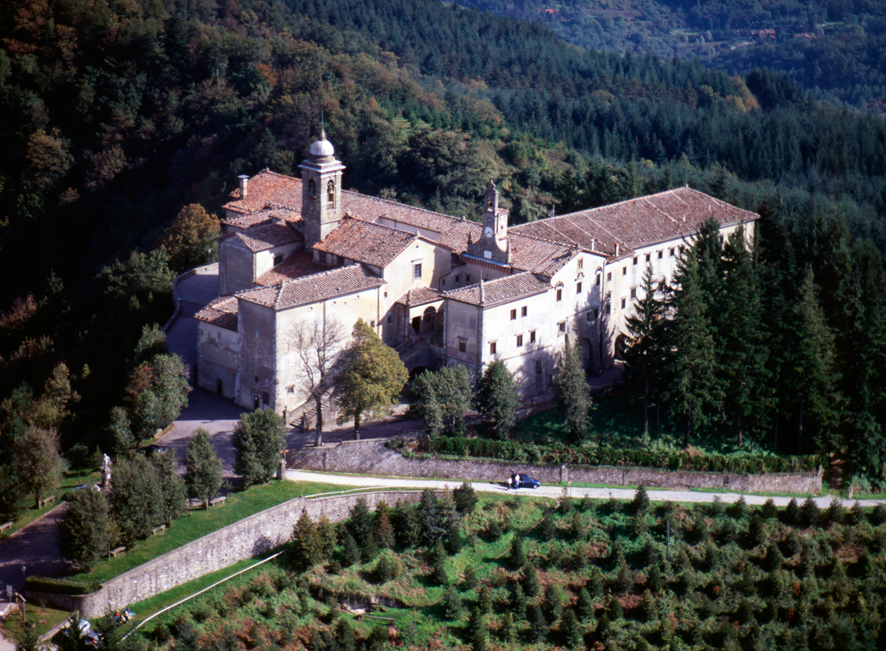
x: 578, y: 288
x: 635, y: 261
x: 443, y: 282
x: 372, y: 323
x: 589, y: 316
x: 624, y: 271
x: 523, y: 311
x: 513, y: 315
x: 608, y: 308
x: 519, y: 341
x: 462, y: 345
x: 266, y: 397
x: 609, y: 277
x: 330, y: 194
x: 562, y: 326
x: 661, y: 254
x: 599, y: 278
x: 386, y: 294
x: 648, y: 257
x: 312, y: 190
x: 468, y: 278
x: 581, y: 264
x: 458, y: 279
x: 633, y: 292
x: 532, y: 336
x: 278, y: 259
x: 492, y: 347
x: 623, y: 303
x: 390, y: 319
x: 416, y: 271
x: 538, y: 368
x: 596, y: 314
x: 290, y: 388
x: 671, y: 252
x: 559, y: 292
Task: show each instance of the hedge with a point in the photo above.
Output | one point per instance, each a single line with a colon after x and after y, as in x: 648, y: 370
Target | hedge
x: 60, y: 586
x: 595, y: 455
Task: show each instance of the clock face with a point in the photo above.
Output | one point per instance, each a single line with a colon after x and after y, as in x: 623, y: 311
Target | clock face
x: 488, y: 231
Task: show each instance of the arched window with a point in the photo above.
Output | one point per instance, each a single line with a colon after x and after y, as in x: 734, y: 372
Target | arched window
x: 330, y: 194
x: 559, y: 291
x: 312, y: 190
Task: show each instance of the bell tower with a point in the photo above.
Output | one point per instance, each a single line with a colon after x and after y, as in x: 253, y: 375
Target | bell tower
x: 321, y: 191
x: 493, y: 243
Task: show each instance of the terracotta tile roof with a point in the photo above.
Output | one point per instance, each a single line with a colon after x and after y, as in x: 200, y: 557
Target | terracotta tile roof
x: 311, y: 289
x: 279, y: 191
x: 221, y: 312
x: 262, y: 238
x: 537, y: 255
x: 419, y: 296
x: 366, y: 242
x: 301, y: 263
x: 501, y: 290
x: 266, y: 216
x: 267, y: 188
x: 637, y: 222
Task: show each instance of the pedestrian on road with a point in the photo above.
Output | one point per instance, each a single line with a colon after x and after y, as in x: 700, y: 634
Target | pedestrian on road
x: 510, y: 479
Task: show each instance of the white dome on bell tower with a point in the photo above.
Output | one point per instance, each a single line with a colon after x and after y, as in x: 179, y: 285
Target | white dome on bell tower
x: 322, y: 148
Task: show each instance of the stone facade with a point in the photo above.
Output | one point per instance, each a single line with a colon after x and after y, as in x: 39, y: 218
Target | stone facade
x: 477, y: 292
x: 255, y: 535
x: 373, y: 457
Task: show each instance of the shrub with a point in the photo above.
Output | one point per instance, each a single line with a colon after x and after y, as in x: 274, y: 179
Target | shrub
x: 809, y: 513
x: 465, y: 498
x: 640, y: 503
x: 769, y: 510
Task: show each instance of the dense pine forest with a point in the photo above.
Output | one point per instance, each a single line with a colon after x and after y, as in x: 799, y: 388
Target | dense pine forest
x: 832, y: 48
x: 117, y: 115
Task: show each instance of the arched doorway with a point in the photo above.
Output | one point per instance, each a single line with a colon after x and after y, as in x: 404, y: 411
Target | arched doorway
x: 429, y: 320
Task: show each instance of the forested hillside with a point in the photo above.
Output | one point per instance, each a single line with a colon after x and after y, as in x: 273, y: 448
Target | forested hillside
x: 834, y: 49
x: 116, y: 115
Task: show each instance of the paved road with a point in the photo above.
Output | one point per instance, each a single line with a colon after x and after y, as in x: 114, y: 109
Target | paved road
x: 556, y: 491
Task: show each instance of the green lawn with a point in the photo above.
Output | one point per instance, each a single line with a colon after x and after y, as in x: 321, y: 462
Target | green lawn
x: 69, y: 482
x: 45, y: 618
x: 200, y: 523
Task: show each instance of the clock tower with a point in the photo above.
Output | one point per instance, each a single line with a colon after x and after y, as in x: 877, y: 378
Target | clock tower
x: 320, y: 191
x: 493, y: 243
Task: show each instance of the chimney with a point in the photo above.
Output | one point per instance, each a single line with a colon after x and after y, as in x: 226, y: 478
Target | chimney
x: 482, y: 294
x: 616, y: 249
x: 593, y: 245
x: 244, y: 183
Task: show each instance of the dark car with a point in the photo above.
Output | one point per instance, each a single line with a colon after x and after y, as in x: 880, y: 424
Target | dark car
x: 150, y: 450
x: 527, y: 482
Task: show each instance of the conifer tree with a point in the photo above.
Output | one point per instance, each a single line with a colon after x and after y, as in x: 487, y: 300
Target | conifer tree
x: 743, y: 349
x: 452, y: 605
x: 814, y: 373
x: 538, y: 627
x: 172, y: 487
x: 203, y: 468
x: 370, y: 379
x: 350, y: 551
x: 497, y: 398
x: 572, y: 392
x: 585, y: 605
x: 328, y: 535
x: 442, y: 398
x: 572, y: 630
x: 258, y: 441
x: 695, y: 388
x: 83, y: 529
x: 307, y: 546
x: 530, y: 580
x: 644, y: 357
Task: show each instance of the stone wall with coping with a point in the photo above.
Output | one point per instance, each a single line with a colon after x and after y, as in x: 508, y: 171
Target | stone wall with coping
x: 372, y: 457
x: 254, y: 535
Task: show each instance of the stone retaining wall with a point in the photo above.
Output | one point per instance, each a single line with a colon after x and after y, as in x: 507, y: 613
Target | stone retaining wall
x: 372, y: 457
x: 254, y: 535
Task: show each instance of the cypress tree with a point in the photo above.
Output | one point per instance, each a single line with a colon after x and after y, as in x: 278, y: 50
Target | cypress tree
x: 497, y: 398
x: 537, y: 625
x: 530, y: 581
x: 572, y: 393
x: 585, y: 605
x: 572, y: 630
